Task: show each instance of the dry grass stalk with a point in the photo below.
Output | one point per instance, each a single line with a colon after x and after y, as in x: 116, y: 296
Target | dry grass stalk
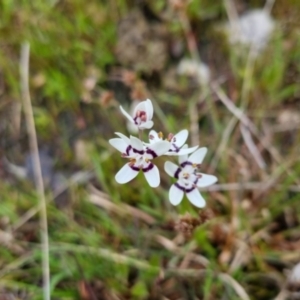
x: 101, y: 199
x: 24, y: 70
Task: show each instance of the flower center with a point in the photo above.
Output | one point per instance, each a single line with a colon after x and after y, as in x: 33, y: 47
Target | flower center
x: 140, y: 117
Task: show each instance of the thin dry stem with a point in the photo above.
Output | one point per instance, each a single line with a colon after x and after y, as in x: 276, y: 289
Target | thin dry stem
x: 233, y: 18
x: 24, y: 70
x: 252, y: 147
x: 194, y: 127
x: 232, y: 15
x: 236, y: 186
x: 235, y: 285
x: 101, y: 199
x: 241, y: 116
x: 193, y: 49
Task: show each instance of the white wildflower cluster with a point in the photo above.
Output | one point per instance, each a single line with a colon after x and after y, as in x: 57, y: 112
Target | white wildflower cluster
x: 140, y: 156
x: 254, y: 27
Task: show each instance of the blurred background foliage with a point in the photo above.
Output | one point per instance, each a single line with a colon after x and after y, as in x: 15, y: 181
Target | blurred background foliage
x: 127, y: 242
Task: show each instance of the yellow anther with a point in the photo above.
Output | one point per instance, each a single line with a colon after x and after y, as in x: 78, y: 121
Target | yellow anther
x: 186, y: 175
x: 160, y: 135
x: 194, y: 165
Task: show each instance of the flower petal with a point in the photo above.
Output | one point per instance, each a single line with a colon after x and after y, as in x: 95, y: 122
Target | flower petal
x: 131, y: 127
x: 175, y: 195
x: 184, y: 157
x: 170, y: 168
x: 182, y: 151
x: 198, y: 156
x: 154, y: 137
x: 136, y: 143
x: 159, y: 148
x: 206, y: 180
x: 152, y: 176
x: 140, y: 107
x: 180, y: 138
x: 195, y: 198
x: 119, y: 144
x: 149, y: 109
x: 123, y: 137
x: 126, y: 114
x: 146, y: 125
x: 125, y: 174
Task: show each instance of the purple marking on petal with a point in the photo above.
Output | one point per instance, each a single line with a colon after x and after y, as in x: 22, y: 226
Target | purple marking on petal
x: 140, y: 117
x: 183, y: 188
x: 186, y: 163
x: 176, y: 149
x: 150, y: 167
x: 176, y: 175
x: 134, y: 168
x: 128, y: 149
x: 179, y: 186
x: 151, y: 152
x: 189, y: 190
x: 138, y: 151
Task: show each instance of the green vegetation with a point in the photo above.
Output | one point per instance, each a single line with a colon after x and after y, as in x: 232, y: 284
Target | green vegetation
x: 111, y: 241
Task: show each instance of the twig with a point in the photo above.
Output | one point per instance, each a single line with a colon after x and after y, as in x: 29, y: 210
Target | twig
x: 252, y: 147
x: 235, y: 285
x: 240, y: 115
x: 252, y: 54
x: 232, y: 15
x: 193, y: 49
x: 225, y: 137
x: 237, y: 112
x: 235, y: 186
x: 269, y: 6
x: 101, y: 199
x: 24, y: 70
x: 194, y: 127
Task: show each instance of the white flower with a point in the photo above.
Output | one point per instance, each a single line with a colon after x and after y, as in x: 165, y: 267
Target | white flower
x: 131, y: 127
x: 176, y: 142
x: 192, y: 68
x: 188, y: 178
x: 142, y: 115
x: 254, y: 27
x: 295, y: 274
x: 140, y: 158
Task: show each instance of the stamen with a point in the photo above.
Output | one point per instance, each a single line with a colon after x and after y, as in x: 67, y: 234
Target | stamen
x: 160, y: 135
x: 147, y: 160
x: 186, y: 175
x: 170, y: 136
x: 143, y: 117
x: 151, y: 137
x: 132, y: 161
x: 194, y: 165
